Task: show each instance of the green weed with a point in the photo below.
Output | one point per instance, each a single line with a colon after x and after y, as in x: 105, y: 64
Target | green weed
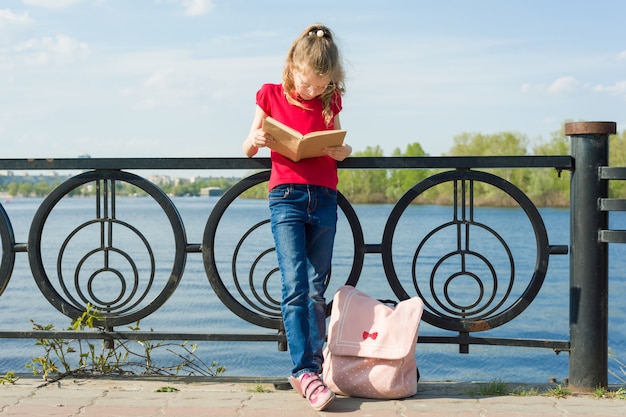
x: 112, y: 357
x: 495, y: 387
x: 560, y: 391
x: 9, y: 378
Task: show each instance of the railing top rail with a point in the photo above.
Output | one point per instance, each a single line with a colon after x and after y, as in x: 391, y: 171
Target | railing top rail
x: 563, y: 162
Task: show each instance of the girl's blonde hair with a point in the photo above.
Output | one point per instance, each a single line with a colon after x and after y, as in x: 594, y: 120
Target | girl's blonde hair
x: 316, y: 50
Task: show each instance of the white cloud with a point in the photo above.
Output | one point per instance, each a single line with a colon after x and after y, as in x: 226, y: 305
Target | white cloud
x: 145, y: 104
x: 7, y: 16
x: 155, y: 79
x: 622, y: 56
x: 197, y: 7
x: 51, y: 4
x: 566, y: 85
x: 45, y: 49
x: 563, y: 85
x: 537, y: 88
x: 526, y: 87
x: 617, y: 89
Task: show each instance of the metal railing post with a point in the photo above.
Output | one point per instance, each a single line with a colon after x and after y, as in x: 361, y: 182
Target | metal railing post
x: 588, y: 359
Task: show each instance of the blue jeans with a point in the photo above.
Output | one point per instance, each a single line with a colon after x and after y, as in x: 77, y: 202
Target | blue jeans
x: 304, y: 220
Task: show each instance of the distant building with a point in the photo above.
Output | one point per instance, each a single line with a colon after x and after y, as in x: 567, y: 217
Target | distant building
x: 161, y: 179
x: 211, y: 192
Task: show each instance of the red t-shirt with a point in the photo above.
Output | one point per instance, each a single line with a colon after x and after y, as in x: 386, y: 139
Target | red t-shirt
x: 315, y: 171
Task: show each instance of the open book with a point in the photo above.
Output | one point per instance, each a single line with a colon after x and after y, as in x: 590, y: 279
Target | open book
x: 295, y: 146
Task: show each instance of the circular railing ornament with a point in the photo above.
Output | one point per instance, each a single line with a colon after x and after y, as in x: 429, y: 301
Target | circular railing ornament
x: 251, y: 287
x: 463, y: 268
x: 103, y: 253
x: 7, y: 240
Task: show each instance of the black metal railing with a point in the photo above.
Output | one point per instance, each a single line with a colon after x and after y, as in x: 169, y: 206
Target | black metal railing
x: 110, y: 240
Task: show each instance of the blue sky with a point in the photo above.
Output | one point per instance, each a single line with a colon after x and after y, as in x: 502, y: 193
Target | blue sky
x: 177, y: 78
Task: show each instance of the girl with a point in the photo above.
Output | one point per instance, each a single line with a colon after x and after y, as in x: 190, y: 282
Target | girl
x: 303, y: 198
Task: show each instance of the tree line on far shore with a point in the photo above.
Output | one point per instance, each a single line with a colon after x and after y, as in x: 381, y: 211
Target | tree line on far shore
x: 546, y: 187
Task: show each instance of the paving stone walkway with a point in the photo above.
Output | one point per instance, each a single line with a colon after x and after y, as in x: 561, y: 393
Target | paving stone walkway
x: 236, y: 397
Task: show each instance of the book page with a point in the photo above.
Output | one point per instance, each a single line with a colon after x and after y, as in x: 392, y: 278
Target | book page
x: 313, y: 143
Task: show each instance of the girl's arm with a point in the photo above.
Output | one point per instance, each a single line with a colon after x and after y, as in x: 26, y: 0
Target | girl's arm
x: 338, y: 153
x: 257, y: 138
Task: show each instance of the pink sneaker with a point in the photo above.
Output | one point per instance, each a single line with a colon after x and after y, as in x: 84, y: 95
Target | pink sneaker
x: 311, y: 386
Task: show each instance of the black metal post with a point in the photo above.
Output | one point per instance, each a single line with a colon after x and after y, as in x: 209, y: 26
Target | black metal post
x: 588, y: 360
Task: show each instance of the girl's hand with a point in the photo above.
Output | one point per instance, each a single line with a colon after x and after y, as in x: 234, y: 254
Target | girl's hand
x: 256, y: 137
x: 260, y: 139
x: 338, y: 153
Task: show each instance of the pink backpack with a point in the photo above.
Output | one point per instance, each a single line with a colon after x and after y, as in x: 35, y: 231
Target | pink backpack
x: 371, y: 346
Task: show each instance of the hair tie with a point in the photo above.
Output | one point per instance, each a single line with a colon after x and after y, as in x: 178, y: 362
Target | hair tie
x: 320, y: 33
